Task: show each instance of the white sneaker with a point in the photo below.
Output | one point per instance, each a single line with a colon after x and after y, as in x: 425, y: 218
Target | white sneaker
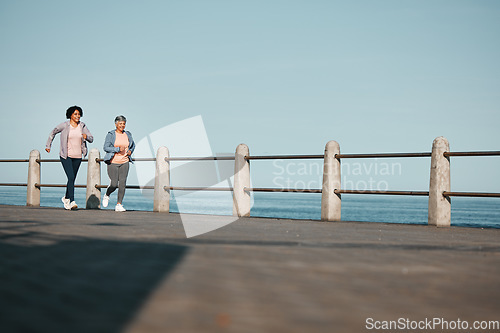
x: 73, y: 205
x: 66, y: 203
x: 119, y: 208
x: 105, y: 201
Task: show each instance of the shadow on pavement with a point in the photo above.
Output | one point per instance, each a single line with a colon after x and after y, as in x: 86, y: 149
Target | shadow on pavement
x: 82, y: 285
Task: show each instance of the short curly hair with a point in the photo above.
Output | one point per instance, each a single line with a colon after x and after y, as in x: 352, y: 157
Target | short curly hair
x: 120, y: 118
x: 72, y: 109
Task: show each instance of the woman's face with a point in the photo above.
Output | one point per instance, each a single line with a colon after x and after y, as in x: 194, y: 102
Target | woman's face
x: 75, y: 116
x: 120, y: 125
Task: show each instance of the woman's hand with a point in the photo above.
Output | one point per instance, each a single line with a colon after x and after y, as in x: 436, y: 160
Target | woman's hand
x: 129, y: 152
x: 47, y: 150
x: 84, y: 136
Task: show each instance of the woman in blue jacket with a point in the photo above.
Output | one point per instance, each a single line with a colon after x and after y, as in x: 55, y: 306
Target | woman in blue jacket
x: 119, y: 147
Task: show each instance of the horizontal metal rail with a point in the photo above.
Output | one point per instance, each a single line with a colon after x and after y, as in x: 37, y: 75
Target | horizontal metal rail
x: 152, y: 159
x: 270, y: 157
x: 135, y: 187
x: 54, y: 160
x: 208, y: 158
x: 262, y: 189
x: 97, y: 186
x: 179, y: 188
x: 339, y: 156
x: 284, y: 157
x: 133, y: 160
x: 382, y: 155
x: 138, y: 187
x: 472, y: 153
x: 97, y: 160
x: 58, y: 185
x: 46, y: 160
x: 14, y: 161
x: 266, y: 189
x: 144, y: 159
x: 421, y: 193
x: 471, y: 194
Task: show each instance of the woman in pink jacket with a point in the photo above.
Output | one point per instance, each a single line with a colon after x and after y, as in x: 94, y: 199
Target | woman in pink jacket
x: 74, y: 137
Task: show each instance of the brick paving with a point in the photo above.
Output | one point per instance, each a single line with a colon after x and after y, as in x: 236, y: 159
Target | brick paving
x: 134, y: 272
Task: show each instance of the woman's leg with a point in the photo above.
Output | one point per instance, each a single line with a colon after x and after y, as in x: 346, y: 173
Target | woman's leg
x: 70, y: 186
x: 76, y: 165
x: 113, y: 178
x: 122, y: 181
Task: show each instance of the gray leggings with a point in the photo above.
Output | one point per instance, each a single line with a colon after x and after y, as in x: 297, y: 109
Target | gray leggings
x: 118, y: 176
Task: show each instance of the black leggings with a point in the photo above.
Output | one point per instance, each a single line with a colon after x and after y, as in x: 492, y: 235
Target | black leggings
x: 70, y: 166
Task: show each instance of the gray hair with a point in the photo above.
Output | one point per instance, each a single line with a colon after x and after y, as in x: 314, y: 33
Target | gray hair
x: 120, y: 118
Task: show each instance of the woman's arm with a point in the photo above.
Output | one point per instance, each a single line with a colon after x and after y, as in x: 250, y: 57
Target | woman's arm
x: 58, y: 129
x: 109, y: 145
x: 88, y: 136
x: 131, y: 146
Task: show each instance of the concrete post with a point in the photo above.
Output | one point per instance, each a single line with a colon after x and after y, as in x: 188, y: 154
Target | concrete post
x: 439, y: 205
x: 33, y: 192
x: 93, y: 179
x: 161, y: 201
x: 241, y: 198
x: 330, y: 202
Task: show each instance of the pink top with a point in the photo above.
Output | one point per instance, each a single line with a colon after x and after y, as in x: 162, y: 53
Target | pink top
x: 75, y: 142
x: 121, y: 140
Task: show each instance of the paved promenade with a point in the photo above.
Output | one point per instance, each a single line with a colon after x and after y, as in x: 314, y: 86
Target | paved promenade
x: 101, y: 271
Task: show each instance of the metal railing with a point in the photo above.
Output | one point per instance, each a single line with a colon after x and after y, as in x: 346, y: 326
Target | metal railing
x: 337, y: 156
x: 376, y: 155
x: 439, y: 210
x: 331, y: 190
x: 64, y: 185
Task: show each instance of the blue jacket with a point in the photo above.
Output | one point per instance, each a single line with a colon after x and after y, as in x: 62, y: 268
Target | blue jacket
x: 110, y: 149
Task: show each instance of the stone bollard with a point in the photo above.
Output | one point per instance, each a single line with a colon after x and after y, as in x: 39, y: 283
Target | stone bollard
x: 241, y: 198
x: 330, y: 201
x: 161, y: 201
x: 439, y: 205
x: 33, y: 192
x: 93, y: 179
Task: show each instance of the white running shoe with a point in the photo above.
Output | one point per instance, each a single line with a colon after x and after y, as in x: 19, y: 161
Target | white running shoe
x: 66, y: 203
x: 119, y: 208
x: 73, y: 205
x: 105, y: 201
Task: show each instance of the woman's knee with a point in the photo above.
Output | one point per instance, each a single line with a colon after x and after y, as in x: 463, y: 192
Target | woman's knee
x: 71, y: 178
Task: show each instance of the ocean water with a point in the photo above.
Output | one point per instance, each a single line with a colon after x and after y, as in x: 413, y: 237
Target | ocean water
x: 467, y: 212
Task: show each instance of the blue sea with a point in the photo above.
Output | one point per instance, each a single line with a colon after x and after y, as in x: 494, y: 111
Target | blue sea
x: 466, y: 212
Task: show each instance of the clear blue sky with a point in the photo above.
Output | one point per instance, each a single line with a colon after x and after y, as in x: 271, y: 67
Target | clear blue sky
x: 281, y: 76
